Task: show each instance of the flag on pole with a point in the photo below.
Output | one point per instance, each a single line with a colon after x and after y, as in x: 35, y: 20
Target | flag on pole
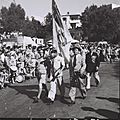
x: 61, y: 36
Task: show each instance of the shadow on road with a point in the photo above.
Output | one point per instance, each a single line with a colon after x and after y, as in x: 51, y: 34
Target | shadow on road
x: 28, y: 90
x: 105, y: 113
x: 31, y: 92
x: 115, y: 100
x: 62, y: 100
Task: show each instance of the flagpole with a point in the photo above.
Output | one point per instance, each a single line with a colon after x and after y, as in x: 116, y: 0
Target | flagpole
x: 52, y: 19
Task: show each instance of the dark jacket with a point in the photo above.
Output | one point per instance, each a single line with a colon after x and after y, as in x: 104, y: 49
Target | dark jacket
x: 90, y: 65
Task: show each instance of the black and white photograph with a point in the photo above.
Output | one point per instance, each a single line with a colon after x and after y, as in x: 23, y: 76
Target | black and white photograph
x: 59, y: 59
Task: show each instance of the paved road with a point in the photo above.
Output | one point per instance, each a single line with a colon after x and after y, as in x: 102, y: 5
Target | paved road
x: 16, y: 101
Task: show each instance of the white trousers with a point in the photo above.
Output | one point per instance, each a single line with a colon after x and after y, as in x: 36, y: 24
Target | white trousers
x: 72, y: 93
x: 82, y: 89
x: 95, y: 75
x: 53, y: 84
x: 40, y: 82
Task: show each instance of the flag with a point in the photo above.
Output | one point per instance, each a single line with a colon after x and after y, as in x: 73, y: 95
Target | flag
x: 56, y: 14
x: 61, y: 36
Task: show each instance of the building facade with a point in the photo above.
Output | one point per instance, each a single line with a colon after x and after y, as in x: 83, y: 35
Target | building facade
x: 72, y: 20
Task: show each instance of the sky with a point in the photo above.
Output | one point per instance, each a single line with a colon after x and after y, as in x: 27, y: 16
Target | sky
x: 40, y: 8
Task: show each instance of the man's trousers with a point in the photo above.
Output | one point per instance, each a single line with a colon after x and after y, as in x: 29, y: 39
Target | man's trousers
x: 81, y: 87
x: 53, y: 84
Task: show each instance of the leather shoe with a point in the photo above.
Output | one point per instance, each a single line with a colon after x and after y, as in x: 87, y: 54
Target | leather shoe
x: 97, y: 83
x: 72, y: 102
x: 83, y: 97
x: 49, y: 101
x: 36, y: 100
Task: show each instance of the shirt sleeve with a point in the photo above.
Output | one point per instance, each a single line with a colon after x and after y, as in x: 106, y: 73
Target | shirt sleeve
x: 78, y: 63
x: 62, y: 63
x: 83, y: 64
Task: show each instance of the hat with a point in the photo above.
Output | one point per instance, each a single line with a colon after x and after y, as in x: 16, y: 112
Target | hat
x: 34, y: 47
x: 50, y: 45
x: 19, y: 46
x: 99, y: 48
x: 94, y: 54
x: 12, y: 53
x: 8, y: 47
x: 45, y: 48
x: 27, y: 53
x: 22, y: 49
x: 77, y: 46
x: 71, y: 47
x: 53, y: 50
x: 19, y: 62
x: 90, y: 47
x: 29, y: 45
x: 13, y: 68
x: 4, y: 43
x: 42, y: 60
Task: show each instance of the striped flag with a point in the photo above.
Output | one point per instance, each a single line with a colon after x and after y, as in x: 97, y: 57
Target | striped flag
x: 61, y: 36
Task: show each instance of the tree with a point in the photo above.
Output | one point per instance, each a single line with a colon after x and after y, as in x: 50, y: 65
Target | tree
x: 33, y: 28
x: 28, y: 29
x: 48, y: 25
x: 99, y: 23
x: 12, y: 18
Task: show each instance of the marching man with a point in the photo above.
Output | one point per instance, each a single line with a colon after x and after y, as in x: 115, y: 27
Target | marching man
x: 78, y: 68
x: 41, y: 74
x: 56, y: 77
x: 92, y: 66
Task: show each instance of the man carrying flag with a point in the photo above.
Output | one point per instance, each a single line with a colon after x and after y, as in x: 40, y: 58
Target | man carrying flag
x: 61, y: 42
x: 56, y: 77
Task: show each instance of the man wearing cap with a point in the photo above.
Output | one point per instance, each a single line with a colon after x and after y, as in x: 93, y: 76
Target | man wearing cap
x: 79, y: 66
x: 41, y: 75
x: 56, y: 77
x: 93, y: 63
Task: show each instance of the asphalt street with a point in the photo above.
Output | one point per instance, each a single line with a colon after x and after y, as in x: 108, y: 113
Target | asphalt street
x: 17, y: 101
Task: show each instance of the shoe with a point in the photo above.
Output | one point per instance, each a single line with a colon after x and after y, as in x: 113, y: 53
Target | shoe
x: 2, y: 86
x: 97, y: 83
x: 36, y: 100
x: 72, y: 102
x: 83, y: 97
x: 87, y: 88
x: 13, y: 82
x: 49, y: 101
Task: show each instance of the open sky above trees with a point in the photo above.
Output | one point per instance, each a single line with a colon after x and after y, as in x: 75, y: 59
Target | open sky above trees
x: 98, y: 23
x: 40, y: 8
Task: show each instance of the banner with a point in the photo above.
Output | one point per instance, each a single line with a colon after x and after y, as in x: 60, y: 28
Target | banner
x: 61, y: 36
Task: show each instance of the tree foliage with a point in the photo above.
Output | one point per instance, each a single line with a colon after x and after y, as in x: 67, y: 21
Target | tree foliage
x: 12, y: 18
x: 101, y: 23
x: 48, y: 25
x: 33, y: 28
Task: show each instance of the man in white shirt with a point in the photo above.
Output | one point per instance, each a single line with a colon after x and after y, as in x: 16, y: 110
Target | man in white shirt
x: 56, y: 77
x: 79, y: 69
